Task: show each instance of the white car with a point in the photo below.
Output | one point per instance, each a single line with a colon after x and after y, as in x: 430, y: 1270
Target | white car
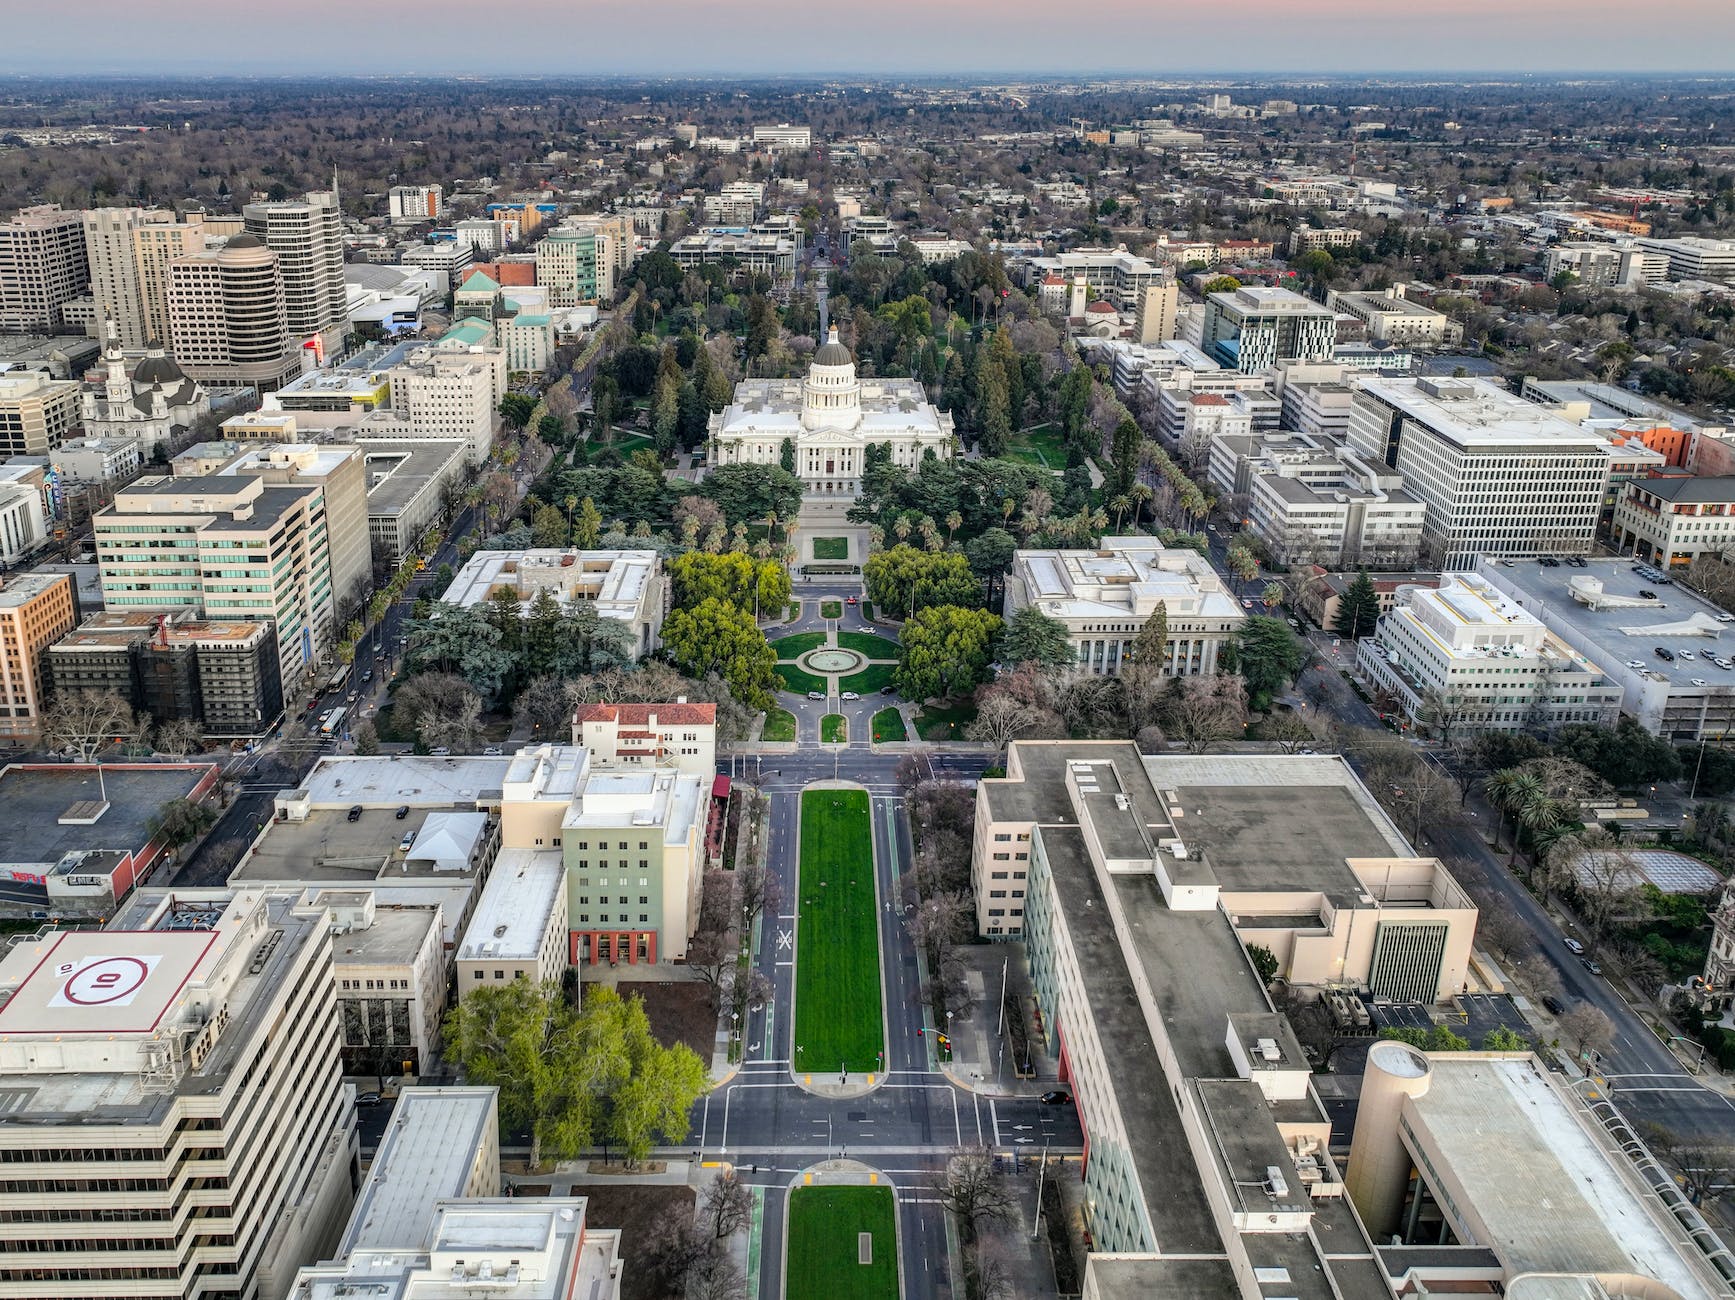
x: 1685, y: 654
x: 1698, y: 681
x: 1635, y: 663
x: 849, y: 695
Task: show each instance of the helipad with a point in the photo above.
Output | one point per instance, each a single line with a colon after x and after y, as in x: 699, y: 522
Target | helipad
x: 102, y: 981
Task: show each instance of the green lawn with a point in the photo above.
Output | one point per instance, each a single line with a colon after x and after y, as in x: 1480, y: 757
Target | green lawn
x: 825, y: 1227
x: 867, y: 610
x: 945, y: 722
x: 794, y: 611
x: 1041, y: 445
x: 868, y: 680
x: 831, y: 548
x: 800, y: 680
x: 837, y: 968
x: 866, y: 643
x: 779, y: 724
x: 797, y: 644
x: 888, y: 724
x: 834, y: 729
x: 831, y: 609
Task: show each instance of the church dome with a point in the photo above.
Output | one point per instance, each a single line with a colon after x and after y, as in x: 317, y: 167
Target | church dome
x: 158, y: 368
x: 833, y: 353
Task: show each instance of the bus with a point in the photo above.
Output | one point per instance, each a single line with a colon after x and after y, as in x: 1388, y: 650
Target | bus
x: 338, y: 680
x: 332, y: 723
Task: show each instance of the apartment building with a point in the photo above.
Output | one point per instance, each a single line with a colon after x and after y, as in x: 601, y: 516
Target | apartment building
x: 1499, y: 475
x: 201, y: 1030
x: 388, y: 961
x: 448, y: 260
x: 130, y: 251
x: 408, y: 487
x: 451, y: 393
x: 227, y: 677
x: 307, y: 238
x: 1602, y: 265
x: 626, y: 586
x: 577, y: 264
x: 1251, y: 329
x: 1330, y: 506
x: 106, y: 461
x: 1106, y: 596
x: 411, y: 205
x: 676, y: 735
x: 519, y: 929
x: 37, y: 413
x: 1191, y: 422
x: 1317, y: 408
x: 1672, y: 521
x: 43, y: 266
x: 229, y: 547
x: 228, y: 317
x: 1390, y: 317
x: 1207, y: 1170
x: 36, y: 610
x: 1113, y: 274
x: 631, y: 843
x: 1307, y: 238
x: 1466, y: 656
x: 736, y: 204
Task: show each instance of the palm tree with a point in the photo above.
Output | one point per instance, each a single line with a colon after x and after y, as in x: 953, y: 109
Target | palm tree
x: 571, y: 504
x: 954, y: 521
x: 902, y: 528
x: 1510, y: 791
x: 1538, y: 818
x: 1120, y: 504
x: 1006, y: 508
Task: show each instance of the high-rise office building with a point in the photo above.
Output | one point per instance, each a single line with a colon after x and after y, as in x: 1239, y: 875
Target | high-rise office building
x: 129, y: 250
x: 308, y: 240
x: 227, y: 318
x: 178, y: 1122
x: 42, y: 265
x: 36, y: 610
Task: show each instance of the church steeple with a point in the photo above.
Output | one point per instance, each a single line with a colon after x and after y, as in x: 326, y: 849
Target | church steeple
x: 117, y: 384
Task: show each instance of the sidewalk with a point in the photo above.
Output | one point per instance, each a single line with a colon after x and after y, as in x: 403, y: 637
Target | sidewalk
x: 982, y: 1058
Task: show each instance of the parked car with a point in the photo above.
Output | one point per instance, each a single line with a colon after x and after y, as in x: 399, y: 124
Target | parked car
x: 849, y: 695
x: 1574, y: 946
x: 1647, y: 593
x: 1057, y: 1098
x: 853, y: 600
x: 1554, y: 1005
x: 355, y: 812
x: 439, y: 751
x: 493, y: 751
x: 1686, y: 655
x: 1698, y: 681
x: 1592, y: 967
x: 404, y: 844
x: 367, y: 1098
x: 888, y: 690
x: 402, y: 812
x: 816, y: 695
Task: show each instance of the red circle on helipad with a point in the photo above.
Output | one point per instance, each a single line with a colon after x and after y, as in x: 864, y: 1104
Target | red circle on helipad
x: 105, y: 981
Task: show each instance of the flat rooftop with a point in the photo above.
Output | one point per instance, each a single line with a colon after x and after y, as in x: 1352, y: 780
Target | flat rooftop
x: 329, y: 849
x: 396, y: 936
x: 422, y: 782
x: 398, y: 472
x: 427, y: 1153
x: 524, y: 888
x: 104, y: 982
x: 1622, y: 625
x: 1478, y: 413
x: 36, y: 796
x: 1552, y: 1196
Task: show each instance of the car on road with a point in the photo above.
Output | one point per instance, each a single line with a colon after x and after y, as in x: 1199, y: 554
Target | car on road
x: 1246, y: 604
x: 849, y: 695
x: 1635, y: 663
x: 1686, y: 655
x: 493, y: 751
x: 368, y: 676
x: 1698, y: 681
x: 1645, y: 593
x: 367, y: 1099
x: 1057, y: 1098
x: 1574, y: 947
x: 1591, y: 966
x: 402, y: 812
x: 853, y: 600
x: 816, y: 695
x: 439, y: 751
x: 888, y: 690
x: 1554, y: 1004
x: 355, y: 812
x: 1662, y: 652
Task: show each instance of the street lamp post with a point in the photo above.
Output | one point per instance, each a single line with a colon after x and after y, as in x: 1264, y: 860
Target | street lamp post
x: 1036, y: 1214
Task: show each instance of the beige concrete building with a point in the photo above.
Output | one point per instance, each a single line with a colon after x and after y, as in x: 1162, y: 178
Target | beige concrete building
x: 1106, y: 596
x: 130, y: 250
x: 451, y: 393
x: 1488, y: 1172
x: 408, y: 486
x: 42, y: 267
x: 627, y: 586
x: 36, y: 610
x: 228, y: 322
x: 1390, y: 317
x: 37, y: 413
x: 180, y: 1126
x: 636, y: 835
x: 519, y: 929
x: 680, y: 735
x: 341, y: 475
x: 389, y: 962
x: 230, y: 546
x: 307, y: 238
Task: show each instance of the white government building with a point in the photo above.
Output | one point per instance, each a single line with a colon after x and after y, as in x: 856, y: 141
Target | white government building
x: 831, y: 417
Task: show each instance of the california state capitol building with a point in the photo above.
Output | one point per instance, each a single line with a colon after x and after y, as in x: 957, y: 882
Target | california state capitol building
x: 831, y: 417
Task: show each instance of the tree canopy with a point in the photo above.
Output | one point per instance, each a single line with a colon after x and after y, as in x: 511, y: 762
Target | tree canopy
x: 718, y: 636
x: 945, y: 650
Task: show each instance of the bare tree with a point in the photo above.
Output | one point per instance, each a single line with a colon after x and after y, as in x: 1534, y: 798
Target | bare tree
x: 1706, y: 1169
x: 1587, y: 1028
x: 1002, y: 718
x: 1314, y: 1028
x: 975, y: 1192
x: 1291, y: 732
x: 87, y: 722
x: 1206, y: 710
x: 179, y: 737
x: 1503, y: 933
x: 758, y: 890
x: 726, y: 1206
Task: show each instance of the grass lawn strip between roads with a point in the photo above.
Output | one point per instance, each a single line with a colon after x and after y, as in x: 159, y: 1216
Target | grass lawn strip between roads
x: 779, y: 724
x: 837, y: 966
x: 868, y: 680
x: 945, y: 721
x: 800, y: 680
x: 831, y: 609
x: 831, y: 548
x: 825, y: 1224
x: 797, y: 644
x: 866, y: 643
x: 888, y: 725
x: 834, y: 729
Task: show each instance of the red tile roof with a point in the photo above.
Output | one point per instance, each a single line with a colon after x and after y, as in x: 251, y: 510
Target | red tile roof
x: 639, y: 715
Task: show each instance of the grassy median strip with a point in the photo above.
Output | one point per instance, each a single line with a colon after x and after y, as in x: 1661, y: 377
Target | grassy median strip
x: 834, y: 729
x: 837, y: 965
x: 825, y: 1245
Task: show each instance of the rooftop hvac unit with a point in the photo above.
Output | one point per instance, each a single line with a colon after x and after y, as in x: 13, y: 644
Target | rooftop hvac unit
x: 1275, y: 1185
x: 1267, y: 1049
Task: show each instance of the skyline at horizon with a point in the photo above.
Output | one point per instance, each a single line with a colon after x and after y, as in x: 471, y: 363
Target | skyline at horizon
x: 767, y: 38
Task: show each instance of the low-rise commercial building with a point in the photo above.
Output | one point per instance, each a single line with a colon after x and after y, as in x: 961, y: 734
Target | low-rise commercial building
x: 1670, y: 522
x: 675, y: 735
x: 1390, y: 317
x: 36, y: 610
x: 200, y: 1034
x: 408, y: 487
x: 519, y: 931
x: 1693, y: 258
x: 227, y: 677
x: 1106, y: 596
x: 105, y: 462
x: 1467, y: 657
x: 37, y: 413
x: 1330, y: 506
x: 626, y: 586
x: 1111, y: 273
x: 389, y: 963
x: 763, y: 254
x: 631, y: 844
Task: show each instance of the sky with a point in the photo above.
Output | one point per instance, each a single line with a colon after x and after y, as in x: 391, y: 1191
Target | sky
x: 914, y: 37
